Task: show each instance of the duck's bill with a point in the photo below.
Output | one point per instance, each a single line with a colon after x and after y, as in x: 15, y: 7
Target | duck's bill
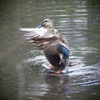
x: 40, y: 26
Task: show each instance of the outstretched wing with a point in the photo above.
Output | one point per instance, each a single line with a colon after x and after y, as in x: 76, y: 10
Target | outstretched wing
x: 33, y: 31
x: 49, y: 45
x: 48, y: 41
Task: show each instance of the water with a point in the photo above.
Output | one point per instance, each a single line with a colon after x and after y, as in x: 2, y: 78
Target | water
x: 21, y: 74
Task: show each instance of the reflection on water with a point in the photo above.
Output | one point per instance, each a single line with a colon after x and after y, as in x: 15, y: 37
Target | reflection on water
x: 51, y: 87
x: 21, y: 74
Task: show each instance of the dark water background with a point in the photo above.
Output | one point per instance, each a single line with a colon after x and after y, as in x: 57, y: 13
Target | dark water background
x: 21, y: 74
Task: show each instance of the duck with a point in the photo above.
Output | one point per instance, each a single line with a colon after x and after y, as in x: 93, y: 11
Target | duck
x: 54, y: 44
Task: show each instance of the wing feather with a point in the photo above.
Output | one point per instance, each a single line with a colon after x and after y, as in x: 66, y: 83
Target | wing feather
x: 47, y: 40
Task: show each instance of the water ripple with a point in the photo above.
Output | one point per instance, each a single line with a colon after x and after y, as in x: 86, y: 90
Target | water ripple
x: 88, y: 75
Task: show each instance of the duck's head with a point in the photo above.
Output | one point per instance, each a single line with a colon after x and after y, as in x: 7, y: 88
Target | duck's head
x: 47, y: 23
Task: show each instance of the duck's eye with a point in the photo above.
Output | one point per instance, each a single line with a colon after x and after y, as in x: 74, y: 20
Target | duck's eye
x: 44, y: 23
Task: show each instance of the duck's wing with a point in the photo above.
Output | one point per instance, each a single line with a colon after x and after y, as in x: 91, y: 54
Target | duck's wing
x: 48, y: 42
x: 49, y: 45
x: 33, y: 31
